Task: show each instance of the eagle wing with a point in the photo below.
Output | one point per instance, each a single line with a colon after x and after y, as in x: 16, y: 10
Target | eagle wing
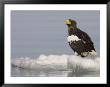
x: 85, y: 37
x: 88, y: 44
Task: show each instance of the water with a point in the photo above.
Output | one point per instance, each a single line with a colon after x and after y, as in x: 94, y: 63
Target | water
x: 43, y: 32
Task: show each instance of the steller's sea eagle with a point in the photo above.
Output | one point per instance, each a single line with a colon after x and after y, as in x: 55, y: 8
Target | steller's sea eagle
x: 79, y: 40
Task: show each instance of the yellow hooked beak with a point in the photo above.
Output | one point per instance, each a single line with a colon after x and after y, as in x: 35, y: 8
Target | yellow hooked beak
x: 67, y: 22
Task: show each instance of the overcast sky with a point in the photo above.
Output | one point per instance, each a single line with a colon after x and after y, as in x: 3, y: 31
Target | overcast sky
x: 43, y: 32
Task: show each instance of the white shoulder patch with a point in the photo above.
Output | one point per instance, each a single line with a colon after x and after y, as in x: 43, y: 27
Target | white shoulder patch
x: 72, y: 38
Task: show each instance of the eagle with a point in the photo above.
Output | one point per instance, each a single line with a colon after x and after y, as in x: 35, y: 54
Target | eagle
x: 79, y: 41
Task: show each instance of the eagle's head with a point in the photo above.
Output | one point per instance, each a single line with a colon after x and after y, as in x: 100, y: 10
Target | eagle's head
x: 70, y: 22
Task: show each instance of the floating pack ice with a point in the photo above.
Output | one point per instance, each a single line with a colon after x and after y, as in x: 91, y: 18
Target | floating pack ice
x: 58, y: 62
x: 42, y: 62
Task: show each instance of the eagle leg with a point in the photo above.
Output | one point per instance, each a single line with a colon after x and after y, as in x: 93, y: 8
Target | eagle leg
x: 75, y: 53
